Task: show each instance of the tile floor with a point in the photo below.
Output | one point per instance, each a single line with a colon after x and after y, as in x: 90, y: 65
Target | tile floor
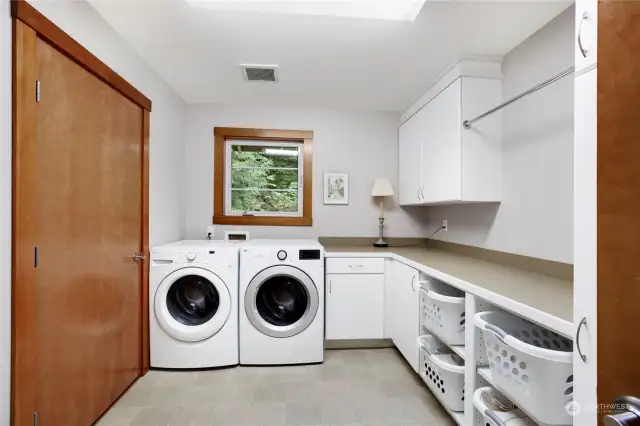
x: 352, y: 387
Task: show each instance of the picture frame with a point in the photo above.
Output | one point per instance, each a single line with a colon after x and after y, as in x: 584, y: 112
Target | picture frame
x: 336, y: 188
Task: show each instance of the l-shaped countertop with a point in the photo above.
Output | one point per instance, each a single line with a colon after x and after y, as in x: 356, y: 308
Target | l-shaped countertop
x: 541, y: 298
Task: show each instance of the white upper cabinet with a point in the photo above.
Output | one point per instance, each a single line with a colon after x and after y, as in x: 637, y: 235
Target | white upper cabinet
x: 441, y: 146
x: 586, y: 45
x: 443, y: 162
x: 409, y: 147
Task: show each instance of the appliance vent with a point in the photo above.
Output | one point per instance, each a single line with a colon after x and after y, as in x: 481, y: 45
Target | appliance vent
x: 236, y: 235
x: 267, y: 73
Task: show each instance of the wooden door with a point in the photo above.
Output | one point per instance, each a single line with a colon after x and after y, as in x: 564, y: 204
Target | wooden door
x: 618, y: 200
x: 79, y: 216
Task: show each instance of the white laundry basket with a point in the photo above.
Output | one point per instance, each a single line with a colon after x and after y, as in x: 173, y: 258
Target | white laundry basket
x: 442, y: 312
x: 530, y: 365
x: 498, y: 410
x: 443, y: 372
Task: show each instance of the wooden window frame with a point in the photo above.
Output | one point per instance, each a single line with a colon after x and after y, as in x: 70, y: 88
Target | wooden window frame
x: 305, y: 137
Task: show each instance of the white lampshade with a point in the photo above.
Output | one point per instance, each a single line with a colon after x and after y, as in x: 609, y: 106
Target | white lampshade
x: 382, y: 188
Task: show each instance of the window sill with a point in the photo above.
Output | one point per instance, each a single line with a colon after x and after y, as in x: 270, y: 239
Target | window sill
x: 262, y: 221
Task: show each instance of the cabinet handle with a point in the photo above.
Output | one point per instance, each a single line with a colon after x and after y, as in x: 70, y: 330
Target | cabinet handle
x: 583, y: 322
x: 356, y: 266
x: 584, y: 51
x: 413, y: 279
x: 330, y: 286
x: 418, y: 193
x: 422, y: 192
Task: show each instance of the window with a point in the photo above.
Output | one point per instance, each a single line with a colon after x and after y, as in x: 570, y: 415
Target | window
x: 262, y: 177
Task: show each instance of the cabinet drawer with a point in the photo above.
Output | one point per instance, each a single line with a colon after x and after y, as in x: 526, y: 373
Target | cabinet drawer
x: 355, y: 265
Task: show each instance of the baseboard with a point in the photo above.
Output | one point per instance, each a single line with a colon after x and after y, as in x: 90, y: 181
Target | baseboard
x: 358, y: 344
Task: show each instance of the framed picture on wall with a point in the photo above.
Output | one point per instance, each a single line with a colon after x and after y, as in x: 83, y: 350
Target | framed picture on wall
x: 336, y: 188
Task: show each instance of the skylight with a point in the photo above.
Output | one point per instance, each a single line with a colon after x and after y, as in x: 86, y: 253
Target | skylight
x: 395, y: 10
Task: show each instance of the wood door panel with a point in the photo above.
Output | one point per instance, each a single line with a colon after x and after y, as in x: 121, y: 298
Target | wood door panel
x: 618, y: 199
x: 87, y: 288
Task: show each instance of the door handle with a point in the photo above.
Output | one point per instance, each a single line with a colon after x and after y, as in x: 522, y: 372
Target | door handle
x: 584, y: 51
x: 583, y: 322
x: 629, y: 415
x: 137, y: 257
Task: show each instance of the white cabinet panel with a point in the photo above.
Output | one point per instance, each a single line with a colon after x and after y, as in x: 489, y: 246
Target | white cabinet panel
x: 410, y: 159
x: 586, y: 43
x: 389, y: 268
x: 355, y: 265
x: 585, y: 245
x: 441, y: 153
x: 355, y: 306
x: 405, y: 308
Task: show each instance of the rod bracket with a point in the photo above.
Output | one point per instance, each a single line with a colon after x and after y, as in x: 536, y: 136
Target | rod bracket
x: 466, y: 124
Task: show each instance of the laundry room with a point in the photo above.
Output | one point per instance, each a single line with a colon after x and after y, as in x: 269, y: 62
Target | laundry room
x: 306, y: 213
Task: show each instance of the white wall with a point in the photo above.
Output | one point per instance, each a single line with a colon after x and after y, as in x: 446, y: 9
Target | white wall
x: 5, y: 210
x: 363, y: 144
x: 84, y: 24
x: 535, y: 217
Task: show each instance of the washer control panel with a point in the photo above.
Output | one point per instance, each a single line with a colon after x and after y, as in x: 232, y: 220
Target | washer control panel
x: 282, y: 255
x: 191, y: 256
x: 309, y: 255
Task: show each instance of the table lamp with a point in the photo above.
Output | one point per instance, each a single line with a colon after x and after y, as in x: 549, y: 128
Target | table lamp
x: 381, y: 188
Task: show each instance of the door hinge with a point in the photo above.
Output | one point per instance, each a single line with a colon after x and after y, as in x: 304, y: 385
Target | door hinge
x: 37, y: 90
x: 35, y: 418
x: 35, y: 257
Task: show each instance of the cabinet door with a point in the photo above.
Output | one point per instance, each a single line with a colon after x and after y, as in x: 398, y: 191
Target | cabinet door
x: 409, y: 160
x: 406, y: 323
x: 441, y: 146
x: 586, y: 41
x: 355, y: 306
x: 585, y: 245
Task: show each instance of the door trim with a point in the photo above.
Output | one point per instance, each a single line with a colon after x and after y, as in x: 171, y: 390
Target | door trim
x: 48, y: 31
x: 28, y: 26
x: 271, y: 330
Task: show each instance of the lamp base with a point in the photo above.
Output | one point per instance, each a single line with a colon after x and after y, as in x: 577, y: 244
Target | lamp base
x: 380, y: 244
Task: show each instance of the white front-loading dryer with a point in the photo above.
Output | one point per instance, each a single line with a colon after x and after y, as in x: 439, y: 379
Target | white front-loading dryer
x: 193, y: 305
x: 281, y: 302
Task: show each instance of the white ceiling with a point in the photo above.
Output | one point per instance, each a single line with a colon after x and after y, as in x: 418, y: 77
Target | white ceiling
x: 324, y: 61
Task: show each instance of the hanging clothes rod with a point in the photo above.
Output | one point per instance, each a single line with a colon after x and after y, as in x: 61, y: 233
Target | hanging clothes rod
x: 467, y: 124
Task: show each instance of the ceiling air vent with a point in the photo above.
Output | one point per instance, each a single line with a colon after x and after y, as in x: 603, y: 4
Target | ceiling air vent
x: 260, y: 72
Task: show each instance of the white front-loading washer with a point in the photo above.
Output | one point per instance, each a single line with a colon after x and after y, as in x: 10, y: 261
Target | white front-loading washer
x: 193, y: 305
x: 281, y: 302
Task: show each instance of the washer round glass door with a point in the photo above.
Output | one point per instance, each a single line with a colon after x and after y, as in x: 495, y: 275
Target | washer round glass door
x: 192, y: 304
x: 281, y: 301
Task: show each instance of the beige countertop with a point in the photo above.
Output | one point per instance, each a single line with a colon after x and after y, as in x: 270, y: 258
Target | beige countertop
x: 548, y: 295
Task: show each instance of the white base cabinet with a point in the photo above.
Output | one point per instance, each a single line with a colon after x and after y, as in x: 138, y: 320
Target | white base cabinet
x: 354, y: 306
x: 405, y: 328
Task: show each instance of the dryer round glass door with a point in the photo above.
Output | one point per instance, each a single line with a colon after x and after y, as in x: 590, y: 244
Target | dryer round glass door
x: 192, y: 304
x: 281, y: 301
